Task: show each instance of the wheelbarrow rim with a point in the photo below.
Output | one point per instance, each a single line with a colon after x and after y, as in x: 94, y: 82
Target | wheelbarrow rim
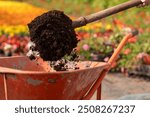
x: 16, y: 71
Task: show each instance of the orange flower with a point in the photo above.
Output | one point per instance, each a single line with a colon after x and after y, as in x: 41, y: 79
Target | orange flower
x: 119, y: 23
x: 127, y: 51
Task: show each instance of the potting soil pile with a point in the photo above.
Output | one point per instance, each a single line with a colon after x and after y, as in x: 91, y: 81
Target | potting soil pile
x: 53, y: 35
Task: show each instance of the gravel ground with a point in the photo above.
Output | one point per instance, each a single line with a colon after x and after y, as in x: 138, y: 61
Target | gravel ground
x: 116, y: 86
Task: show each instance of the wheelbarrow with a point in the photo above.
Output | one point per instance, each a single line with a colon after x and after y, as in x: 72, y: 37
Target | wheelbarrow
x: 23, y: 79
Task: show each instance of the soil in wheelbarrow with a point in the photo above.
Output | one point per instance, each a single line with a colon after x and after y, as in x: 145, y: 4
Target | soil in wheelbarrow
x: 53, y: 35
x: 67, y: 63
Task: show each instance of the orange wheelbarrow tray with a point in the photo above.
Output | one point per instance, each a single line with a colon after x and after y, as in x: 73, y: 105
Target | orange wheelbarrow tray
x: 22, y: 79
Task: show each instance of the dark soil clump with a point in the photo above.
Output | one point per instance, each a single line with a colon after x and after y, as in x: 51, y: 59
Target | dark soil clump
x: 53, y: 35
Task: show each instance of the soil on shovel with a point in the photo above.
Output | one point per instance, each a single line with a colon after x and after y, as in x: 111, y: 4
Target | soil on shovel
x: 54, y: 40
x: 53, y: 35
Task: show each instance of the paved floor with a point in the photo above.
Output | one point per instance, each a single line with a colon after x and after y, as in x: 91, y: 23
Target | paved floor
x: 115, y: 86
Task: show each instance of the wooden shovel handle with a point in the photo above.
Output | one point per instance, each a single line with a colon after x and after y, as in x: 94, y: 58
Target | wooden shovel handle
x: 82, y: 21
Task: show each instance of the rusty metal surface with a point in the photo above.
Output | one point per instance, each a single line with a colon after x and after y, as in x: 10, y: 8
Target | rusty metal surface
x: 19, y: 63
x: 31, y: 81
x: 2, y: 93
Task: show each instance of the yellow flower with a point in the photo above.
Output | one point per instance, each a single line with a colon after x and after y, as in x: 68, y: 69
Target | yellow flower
x: 86, y: 28
x: 98, y: 25
x: 11, y: 34
x: 12, y: 30
x: 0, y: 33
x: 108, y: 27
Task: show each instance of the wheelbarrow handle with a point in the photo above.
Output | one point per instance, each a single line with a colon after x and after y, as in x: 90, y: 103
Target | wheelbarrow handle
x: 5, y: 70
x: 82, y: 21
x: 9, y: 70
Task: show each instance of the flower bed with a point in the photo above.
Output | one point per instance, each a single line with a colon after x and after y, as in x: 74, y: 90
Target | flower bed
x: 17, y: 13
x: 14, y: 35
x: 99, y: 44
x: 13, y: 45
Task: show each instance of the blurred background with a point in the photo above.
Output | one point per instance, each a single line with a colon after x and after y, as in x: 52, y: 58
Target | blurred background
x: 97, y: 40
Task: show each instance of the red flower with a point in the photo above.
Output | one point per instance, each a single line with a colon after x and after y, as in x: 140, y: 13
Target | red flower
x: 146, y: 59
x: 132, y: 40
x: 3, y: 38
